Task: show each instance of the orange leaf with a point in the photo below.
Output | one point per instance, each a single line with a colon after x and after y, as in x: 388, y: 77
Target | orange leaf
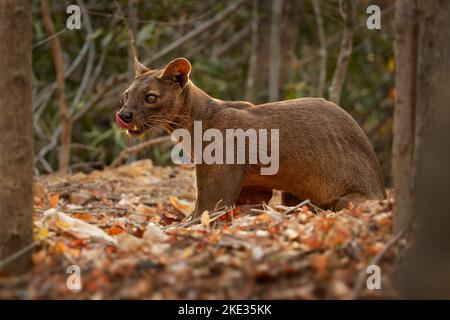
x: 115, y: 230
x: 83, y: 216
x: 386, y: 221
x: 181, y: 205
x: 313, y: 243
x: 77, y: 243
x: 54, y: 198
x: 110, y: 249
x: 324, y: 224
x: 339, y: 237
x: 320, y: 263
x: 60, y: 247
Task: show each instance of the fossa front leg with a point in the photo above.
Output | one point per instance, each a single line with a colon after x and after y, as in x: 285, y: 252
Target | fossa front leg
x: 217, y: 185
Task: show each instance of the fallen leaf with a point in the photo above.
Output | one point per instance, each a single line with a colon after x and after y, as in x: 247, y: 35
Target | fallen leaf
x: 76, y: 227
x: 42, y: 234
x: 185, y: 207
x: 313, y: 242
x: 154, y: 233
x: 204, y: 219
x: 54, y: 199
x: 115, y: 230
x: 61, y: 247
x: 320, y: 263
x: 39, y: 257
x: 129, y: 242
x: 83, y: 216
x: 77, y: 243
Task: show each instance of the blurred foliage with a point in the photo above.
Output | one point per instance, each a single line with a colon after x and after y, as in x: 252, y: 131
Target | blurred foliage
x: 100, y: 51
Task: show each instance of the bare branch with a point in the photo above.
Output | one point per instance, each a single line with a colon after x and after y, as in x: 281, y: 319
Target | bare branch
x: 252, y: 68
x: 235, y: 40
x: 323, y: 48
x: 348, y: 15
x: 199, y: 29
x: 63, y: 110
x: 135, y: 149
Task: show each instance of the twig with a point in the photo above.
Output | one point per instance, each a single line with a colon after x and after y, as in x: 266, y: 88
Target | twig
x: 304, y: 203
x: 95, y: 99
x: 95, y: 208
x: 348, y: 14
x: 193, y: 33
x: 323, y: 48
x: 376, y: 260
x: 157, y: 22
x: 213, y: 216
x: 90, y: 60
x: 236, y: 39
x: 207, y: 40
x: 18, y: 254
x: 135, y: 149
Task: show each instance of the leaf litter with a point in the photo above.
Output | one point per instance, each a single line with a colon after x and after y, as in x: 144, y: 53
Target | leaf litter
x: 128, y: 230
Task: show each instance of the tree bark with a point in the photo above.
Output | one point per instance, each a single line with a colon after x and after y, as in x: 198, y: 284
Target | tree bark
x: 406, y: 45
x: 16, y: 140
x: 63, y: 109
x: 426, y: 270
x: 348, y: 15
x: 275, y: 52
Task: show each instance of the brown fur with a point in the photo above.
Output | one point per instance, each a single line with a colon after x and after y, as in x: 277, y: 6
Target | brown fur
x: 324, y: 155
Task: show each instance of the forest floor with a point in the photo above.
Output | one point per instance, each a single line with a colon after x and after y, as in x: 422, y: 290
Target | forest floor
x: 127, y: 231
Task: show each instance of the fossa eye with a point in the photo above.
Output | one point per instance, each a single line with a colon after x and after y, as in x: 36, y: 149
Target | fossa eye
x: 150, y: 98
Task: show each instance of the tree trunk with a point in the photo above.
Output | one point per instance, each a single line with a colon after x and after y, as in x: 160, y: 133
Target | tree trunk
x: 274, y: 67
x: 426, y: 271
x: 406, y: 45
x: 16, y: 140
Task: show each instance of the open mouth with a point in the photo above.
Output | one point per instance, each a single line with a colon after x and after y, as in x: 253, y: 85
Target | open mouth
x: 131, y: 129
x: 135, y: 132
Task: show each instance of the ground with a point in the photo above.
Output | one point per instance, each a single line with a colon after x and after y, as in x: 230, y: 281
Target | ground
x: 128, y: 232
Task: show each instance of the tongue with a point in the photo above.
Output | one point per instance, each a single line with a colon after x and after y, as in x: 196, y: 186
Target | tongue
x: 122, y: 123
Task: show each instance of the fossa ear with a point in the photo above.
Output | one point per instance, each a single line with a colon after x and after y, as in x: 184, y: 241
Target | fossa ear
x: 178, y: 71
x: 139, y: 68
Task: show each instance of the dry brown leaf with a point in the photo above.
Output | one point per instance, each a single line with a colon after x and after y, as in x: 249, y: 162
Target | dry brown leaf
x: 204, y: 219
x: 181, y: 205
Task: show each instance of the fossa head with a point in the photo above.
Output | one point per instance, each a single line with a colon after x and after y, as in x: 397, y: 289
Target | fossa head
x: 155, y: 97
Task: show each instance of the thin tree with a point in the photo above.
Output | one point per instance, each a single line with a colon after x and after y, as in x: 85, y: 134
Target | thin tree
x: 275, y: 51
x: 63, y: 108
x: 16, y: 140
x: 252, y: 67
x: 322, y: 49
